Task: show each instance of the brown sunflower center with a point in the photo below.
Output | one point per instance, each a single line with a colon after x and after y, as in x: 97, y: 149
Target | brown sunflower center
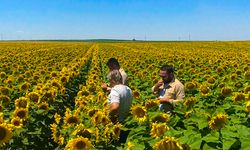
x: 80, y: 145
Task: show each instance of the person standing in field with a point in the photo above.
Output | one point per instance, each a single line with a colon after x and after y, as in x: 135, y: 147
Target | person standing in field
x: 119, y: 98
x: 113, y: 64
x: 169, y: 89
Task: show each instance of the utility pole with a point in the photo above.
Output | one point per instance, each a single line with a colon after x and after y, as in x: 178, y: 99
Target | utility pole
x: 145, y: 38
x: 189, y: 37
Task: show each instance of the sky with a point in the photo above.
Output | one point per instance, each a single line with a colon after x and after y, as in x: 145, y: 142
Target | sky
x: 164, y: 20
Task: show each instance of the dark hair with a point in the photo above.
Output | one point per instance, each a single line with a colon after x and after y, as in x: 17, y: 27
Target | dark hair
x: 113, y: 61
x: 167, y: 68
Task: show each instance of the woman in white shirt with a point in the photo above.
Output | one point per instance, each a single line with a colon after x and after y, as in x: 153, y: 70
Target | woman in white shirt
x: 119, y: 99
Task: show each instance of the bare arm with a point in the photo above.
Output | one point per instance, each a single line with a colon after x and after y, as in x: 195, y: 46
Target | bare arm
x: 113, y: 111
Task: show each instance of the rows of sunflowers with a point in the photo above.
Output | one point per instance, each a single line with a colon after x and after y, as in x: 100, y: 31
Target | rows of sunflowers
x: 51, y: 96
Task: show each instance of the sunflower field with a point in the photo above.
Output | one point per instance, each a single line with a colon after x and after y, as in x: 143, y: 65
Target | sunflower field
x: 51, y: 96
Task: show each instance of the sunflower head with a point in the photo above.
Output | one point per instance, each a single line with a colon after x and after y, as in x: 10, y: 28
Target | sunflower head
x: 17, y: 122
x: 136, y: 94
x: 82, y: 131
x: 218, y: 121
x: 168, y: 143
x: 56, y: 84
x: 238, y: 84
x: 190, y: 85
x: 79, y: 143
x: 25, y: 86
x: 22, y: 102
x: 116, y: 131
x: 2, y: 75
x: 151, y: 103
x: 4, y: 90
x: 158, y: 129
x: 4, y: 99
x: 43, y: 106
x: 211, y: 80
x: 190, y: 102
x: 92, y: 112
x: 22, y: 113
x: 97, y: 118
x: 239, y: 97
x: 34, y: 97
x: 71, y: 120
x: 204, y: 89
x: 5, y: 133
x: 226, y: 91
x: 139, y: 113
x: 161, y: 118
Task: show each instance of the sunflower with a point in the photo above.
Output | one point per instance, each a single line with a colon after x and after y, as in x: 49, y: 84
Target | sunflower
x: 5, y: 133
x: 136, y: 94
x: 139, y: 113
x: 238, y: 84
x: 17, y: 122
x: 54, y: 74
x: 4, y: 90
x: 22, y: 102
x: 25, y: 86
x: 82, y: 131
x: 34, y: 97
x: 168, y: 143
x: 218, y: 121
x: 158, y: 129
x: 211, y: 80
x: 70, y: 119
x: 56, y: 84
x: 226, y: 91
x: 116, y: 131
x: 190, y: 102
x: 204, y: 90
x: 43, y: 106
x: 64, y: 79
x: 162, y: 117
x: 151, y: 103
x: 92, y: 112
x: 190, y: 85
x: 97, y: 118
x: 2, y: 75
x: 79, y: 143
x: 4, y: 99
x: 22, y: 113
x: 239, y: 97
